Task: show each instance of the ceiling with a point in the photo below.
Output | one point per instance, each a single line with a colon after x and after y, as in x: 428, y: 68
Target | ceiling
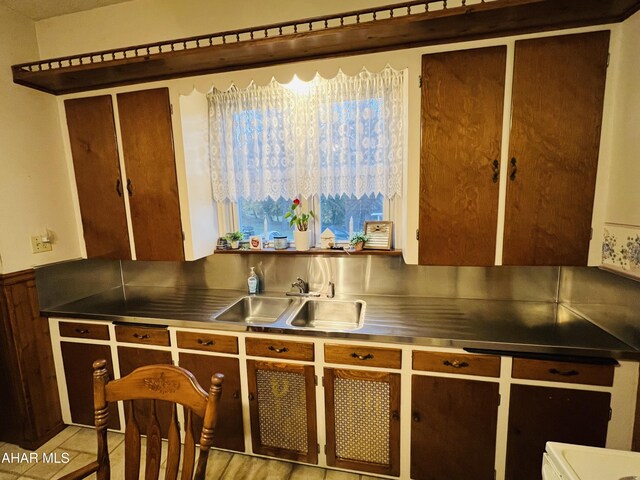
x: 41, y: 9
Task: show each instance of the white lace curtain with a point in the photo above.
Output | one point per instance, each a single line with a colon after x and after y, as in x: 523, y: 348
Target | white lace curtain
x: 339, y: 136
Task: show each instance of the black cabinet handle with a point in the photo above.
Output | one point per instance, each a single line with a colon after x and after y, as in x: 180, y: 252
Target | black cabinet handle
x: 495, y: 167
x: 368, y: 356
x: 129, y: 187
x: 278, y: 350
x: 236, y: 395
x: 251, y: 397
x: 206, y: 343
x: 82, y: 331
x: 415, y: 417
x: 119, y: 187
x: 141, y: 337
x: 514, y: 168
x: 566, y: 373
x: 395, y: 415
x: 455, y: 364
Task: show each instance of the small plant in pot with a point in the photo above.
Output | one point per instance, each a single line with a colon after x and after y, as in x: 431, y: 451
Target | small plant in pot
x: 300, y: 223
x: 358, y: 240
x: 234, y: 239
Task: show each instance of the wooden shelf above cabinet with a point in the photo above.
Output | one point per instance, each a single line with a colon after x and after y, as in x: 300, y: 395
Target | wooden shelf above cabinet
x: 365, y: 31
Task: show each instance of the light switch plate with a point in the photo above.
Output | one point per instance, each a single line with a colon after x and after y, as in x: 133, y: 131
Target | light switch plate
x: 38, y: 246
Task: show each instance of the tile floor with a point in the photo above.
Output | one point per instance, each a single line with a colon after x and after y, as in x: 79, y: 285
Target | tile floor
x: 80, y: 446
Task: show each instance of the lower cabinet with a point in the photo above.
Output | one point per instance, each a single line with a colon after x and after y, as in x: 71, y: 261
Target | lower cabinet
x: 453, y: 429
x: 77, y: 359
x: 540, y: 414
x: 362, y: 411
x: 229, y: 429
x: 282, y: 403
x: 131, y: 358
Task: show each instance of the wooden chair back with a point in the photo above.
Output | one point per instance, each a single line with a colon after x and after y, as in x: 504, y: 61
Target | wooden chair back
x: 155, y: 382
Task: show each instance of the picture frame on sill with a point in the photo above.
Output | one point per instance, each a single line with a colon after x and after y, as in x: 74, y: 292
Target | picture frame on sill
x: 380, y: 235
x: 255, y: 242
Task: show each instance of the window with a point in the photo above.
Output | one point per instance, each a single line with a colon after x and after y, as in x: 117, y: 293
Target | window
x: 336, y: 144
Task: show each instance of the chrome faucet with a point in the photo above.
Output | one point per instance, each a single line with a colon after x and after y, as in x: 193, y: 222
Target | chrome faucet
x: 301, y: 285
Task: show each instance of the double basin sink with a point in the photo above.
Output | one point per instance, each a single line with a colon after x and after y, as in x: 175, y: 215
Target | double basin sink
x: 310, y: 313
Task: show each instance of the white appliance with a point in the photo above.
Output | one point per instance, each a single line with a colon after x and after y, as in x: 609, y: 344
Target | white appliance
x: 563, y: 461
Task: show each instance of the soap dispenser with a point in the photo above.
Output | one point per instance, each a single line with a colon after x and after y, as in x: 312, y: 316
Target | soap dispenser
x: 253, y: 281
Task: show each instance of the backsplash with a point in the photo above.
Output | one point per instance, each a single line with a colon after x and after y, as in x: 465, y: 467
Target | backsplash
x: 362, y: 274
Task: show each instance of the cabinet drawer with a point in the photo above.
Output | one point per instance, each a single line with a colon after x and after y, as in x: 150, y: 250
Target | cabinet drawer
x: 566, y: 372
x: 462, y: 363
x: 207, y: 342
x: 142, y: 334
x: 363, y: 355
x: 93, y: 331
x: 266, y: 347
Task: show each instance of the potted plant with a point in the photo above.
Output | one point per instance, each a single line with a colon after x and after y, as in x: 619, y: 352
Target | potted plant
x: 300, y: 223
x: 358, y: 240
x: 234, y: 239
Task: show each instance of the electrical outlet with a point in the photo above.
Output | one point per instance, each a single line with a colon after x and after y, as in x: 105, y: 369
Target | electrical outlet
x: 39, y: 246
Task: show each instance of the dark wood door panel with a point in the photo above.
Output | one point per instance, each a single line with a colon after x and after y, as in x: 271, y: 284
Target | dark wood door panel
x: 147, y: 146
x: 131, y: 358
x: 92, y: 136
x: 558, y: 94
x: 461, y: 121
x: 229, y: 433
x: 541, y: 414
x: 453, y: 430
x: 78, y: 359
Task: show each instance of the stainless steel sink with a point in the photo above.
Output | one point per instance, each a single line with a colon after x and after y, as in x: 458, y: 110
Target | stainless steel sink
x: 329, y: 315
x: 251, y: 309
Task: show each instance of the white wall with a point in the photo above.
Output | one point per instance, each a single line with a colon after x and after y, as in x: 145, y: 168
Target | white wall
x: 34, y: 182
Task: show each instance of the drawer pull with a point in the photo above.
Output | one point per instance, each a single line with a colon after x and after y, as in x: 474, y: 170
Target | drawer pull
x: 251, y: 397
x: 395, y: 415
x: 236, y: 395
x: 566, y: 373
x: 415, y: 417
x: 82, y: 331
x: 368, y: 356
x: 455, y: 364
x: 141, y: 337
x: 206, y: 343
x: 278, y: 350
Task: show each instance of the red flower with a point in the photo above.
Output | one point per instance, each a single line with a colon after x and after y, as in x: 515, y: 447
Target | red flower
x: 296, y: 202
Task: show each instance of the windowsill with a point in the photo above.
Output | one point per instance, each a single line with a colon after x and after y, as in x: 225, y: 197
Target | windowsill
x: 313, y: 251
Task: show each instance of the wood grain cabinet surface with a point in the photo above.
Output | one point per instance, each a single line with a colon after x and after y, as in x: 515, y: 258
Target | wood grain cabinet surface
x: 556, y: 117
x: 274, y: 348
x: 363, y: 355
x: 458, y: 363
x: 150, y: 182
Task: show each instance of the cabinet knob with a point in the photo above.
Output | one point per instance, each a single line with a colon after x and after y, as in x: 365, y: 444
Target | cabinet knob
x: 278, y: 350
x: 368, y: 356
x: 206, y: 343
x: 495, y: 168
x: 395, y: 415
x: 564, y: 373
x: 82, y: 331
x: 415, y: 417
x: 236, y: 395
x: 455, y: 364
x: 141, y: 337
x: 514, y: 168
x: 251, y: 397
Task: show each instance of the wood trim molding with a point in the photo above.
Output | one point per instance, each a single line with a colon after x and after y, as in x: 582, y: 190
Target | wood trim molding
x: 385, y: 28
x: 28, y: 388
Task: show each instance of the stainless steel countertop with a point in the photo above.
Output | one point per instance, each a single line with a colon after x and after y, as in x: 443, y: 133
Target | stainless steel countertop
x: 506, y: 326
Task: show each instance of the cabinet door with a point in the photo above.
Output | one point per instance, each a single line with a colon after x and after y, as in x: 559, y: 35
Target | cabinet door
x: 77, y: 359
x: 541, y: 414
x: 131, y: 358
x: 558, y: 92
x: 229, y: 433
x: 283, y: 410
x: 363, y: 420
x: 453, y: 430
x: 92, y: 136
x: 462, y: 110
x: 147, y: 146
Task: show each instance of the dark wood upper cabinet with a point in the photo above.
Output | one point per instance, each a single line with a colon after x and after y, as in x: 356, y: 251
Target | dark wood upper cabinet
x: 556, y: 117
x: 558, y: 95
x: 92, y: 136
x: 462, y: 110
x: 453, y: 429
x: 147, y: 145
x: 541, y: 414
